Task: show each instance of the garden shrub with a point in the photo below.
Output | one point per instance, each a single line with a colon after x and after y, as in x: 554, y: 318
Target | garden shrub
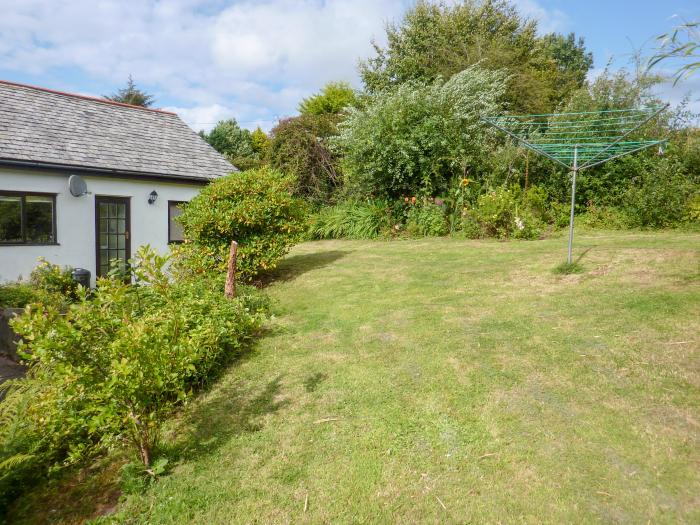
x: 426, y: 219
x: 659, y: 198
x: 352, y: 220
x: 16, y: 295
x: 113, y: 366
x: 254, y: 208
x: 299, y: 147
x: 604, y: 217
x: 53, y: 279
x: 415, y: 138
x: 503, y: 213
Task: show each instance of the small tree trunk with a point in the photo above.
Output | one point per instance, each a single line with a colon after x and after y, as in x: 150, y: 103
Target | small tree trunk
x: 145, y: 453
x: 230, y: 290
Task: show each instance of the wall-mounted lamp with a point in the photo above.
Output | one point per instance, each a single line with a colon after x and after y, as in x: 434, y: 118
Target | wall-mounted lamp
x: 152, y: 197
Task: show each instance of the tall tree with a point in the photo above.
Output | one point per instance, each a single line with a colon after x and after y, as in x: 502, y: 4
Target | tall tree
x: 132, y: 95
x: 229, y: 139
x: 572, y: 62
x: 444, y: 38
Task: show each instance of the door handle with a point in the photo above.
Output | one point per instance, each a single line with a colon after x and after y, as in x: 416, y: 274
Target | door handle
x: 126, y: 234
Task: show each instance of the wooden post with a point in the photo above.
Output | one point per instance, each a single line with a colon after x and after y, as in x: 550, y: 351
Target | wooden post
x: 230, y: 289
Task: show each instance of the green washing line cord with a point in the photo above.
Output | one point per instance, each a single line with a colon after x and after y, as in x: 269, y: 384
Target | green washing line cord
x: 582, y: 139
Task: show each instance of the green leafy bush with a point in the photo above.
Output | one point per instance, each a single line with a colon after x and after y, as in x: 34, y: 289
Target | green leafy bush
x: 426, y: 219
x: 16, y: 295
x: 299, y: 147
x: 113, y: 366
x: 414, y: 139
x: 53, y: 279
x: 604, y: 217
x: 255, y: 208
x: 352, y: 220
x: 505, y: 212
x: 660, y: 198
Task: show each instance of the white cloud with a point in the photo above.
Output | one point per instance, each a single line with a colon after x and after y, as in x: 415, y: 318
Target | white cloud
x: 206, y: 57
x: 548, y: 20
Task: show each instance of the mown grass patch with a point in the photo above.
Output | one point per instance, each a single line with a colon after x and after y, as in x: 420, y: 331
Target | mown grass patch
x: 448, y: 381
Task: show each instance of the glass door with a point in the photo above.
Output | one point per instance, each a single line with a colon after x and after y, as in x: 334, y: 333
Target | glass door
x: 112, y: 225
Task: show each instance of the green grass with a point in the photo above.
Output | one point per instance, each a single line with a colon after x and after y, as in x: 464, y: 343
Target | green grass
x: 567, y: 268
x: 447, y: 381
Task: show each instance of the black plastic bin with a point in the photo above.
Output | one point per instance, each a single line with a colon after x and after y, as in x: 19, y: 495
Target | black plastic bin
x: 81, y: 276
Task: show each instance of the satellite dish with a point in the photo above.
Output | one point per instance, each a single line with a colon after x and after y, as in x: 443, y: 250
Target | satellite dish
x: 77, y: 186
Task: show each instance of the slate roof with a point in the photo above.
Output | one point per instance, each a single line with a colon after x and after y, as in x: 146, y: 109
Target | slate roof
x: 62, y: 130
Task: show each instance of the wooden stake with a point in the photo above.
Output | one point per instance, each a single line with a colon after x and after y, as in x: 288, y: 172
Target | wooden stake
x: 230, y: 289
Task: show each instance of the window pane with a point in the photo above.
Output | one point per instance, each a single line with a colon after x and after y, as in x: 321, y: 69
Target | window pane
x: 176, y: 231
x: 10, y: 219
x: 39, y: 216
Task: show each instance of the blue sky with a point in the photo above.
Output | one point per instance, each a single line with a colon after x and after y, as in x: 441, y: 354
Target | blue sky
x: 255, y: 59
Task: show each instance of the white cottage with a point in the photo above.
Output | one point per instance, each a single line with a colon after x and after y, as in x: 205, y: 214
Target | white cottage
x: 130, y: 167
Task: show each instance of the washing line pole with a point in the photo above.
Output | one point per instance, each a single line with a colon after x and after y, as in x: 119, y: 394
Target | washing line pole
x: 588, y: 151
x: 573, y: 201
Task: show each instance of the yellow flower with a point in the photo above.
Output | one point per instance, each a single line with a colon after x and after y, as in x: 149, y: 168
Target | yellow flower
x: 465, y: 182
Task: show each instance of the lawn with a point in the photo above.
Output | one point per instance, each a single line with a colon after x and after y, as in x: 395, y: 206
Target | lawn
x: 450, y: 381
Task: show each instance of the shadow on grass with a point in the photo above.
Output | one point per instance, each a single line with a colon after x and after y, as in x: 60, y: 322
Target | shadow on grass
x: 567, y: 268
x: 229, y: 410
x: 294, y: 266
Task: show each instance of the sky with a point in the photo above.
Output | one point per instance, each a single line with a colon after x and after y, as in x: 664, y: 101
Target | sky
x: 254, y: 60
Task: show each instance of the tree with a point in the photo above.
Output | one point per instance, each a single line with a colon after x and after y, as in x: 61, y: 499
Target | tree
x: 441, y: 39
x: 572, y: 62
x: 332, y: 99
x: 132, y: 95
x: 299, y: 146
x: 229, y: 139
x: 416, y: 138
x: 233, y: 142
x: 260, y: 143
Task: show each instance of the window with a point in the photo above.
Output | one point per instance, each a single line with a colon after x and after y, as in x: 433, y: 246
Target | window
x: 175, y: 232
x: 27, y: 218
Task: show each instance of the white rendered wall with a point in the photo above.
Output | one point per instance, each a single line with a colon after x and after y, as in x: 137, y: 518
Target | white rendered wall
x: 75, y: 218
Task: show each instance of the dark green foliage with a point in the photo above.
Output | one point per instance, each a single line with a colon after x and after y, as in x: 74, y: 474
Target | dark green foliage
x: 603, y: 217
x: 572, y: 63
x: 254, y: 208
x: 16, y: 295
x: 426, y: 219
x: 132, y: 95
x: 331, y: 100
x: 441, y: 39
x: 352, y: 220
x: 659, y: 198
x: 299, y: 147
x: 235, y: 143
